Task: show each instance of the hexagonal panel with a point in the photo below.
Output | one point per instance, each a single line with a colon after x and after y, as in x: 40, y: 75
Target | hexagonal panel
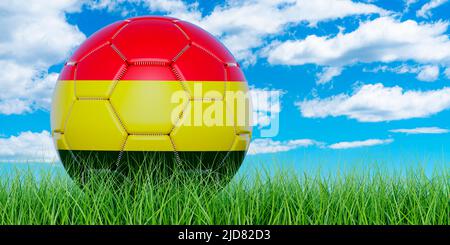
x: 197, y: 65
x: 146, y: 107
x: 164, y: 41
x: 93, y: 125
x: 148, y: 143
x: 103, y: 64
x: 239, y: 102
x: 207, y: 137
x: 206, y: 40
x: 63, y: 98
x: 161, y: 73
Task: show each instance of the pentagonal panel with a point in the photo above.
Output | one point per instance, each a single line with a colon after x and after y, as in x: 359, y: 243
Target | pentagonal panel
x: 93, y: 125
x: 97, y: 39
x: 207, y: 89
x: 146, y: 106
x: 150, y: 38
x: 103, y: 64
x: 205, y: 123
x: 63, y: 98
x: 241, y: 142
x: 162, y: 73
x: 59, y: 141
x: 198, y: 65
x: 148, y: 143
x: 206, y: 40
x: 239, y: 102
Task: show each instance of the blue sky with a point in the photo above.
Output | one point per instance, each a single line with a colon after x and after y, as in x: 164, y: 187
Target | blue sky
x: 360, y: 81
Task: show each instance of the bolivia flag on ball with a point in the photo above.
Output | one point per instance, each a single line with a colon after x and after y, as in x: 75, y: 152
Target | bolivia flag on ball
x: 154, y: 93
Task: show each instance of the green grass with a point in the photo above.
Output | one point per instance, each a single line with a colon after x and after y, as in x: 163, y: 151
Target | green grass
x: 370, y: 197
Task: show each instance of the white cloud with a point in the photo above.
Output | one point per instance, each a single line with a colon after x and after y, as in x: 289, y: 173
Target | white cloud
x: 267, y: 145
x: 425, y: 11
x: 28, y: 146
x: 252, y: 20
x: 327, y: 74
x: 358, y: 144
x: 376, y: 103
x: 447, y: 72
x: 34, y: 37
x: 381, y: 40
x: 421, y: 130
x: 25, y: 88
x: 408, y: 4
x: 14, y: 106
x: 110, y: 5
x: 176, y: 8
x: 428, y: 73
x: 401, y: 69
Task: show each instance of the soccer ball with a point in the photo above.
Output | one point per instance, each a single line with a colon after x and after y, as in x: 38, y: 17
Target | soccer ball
x: 155, y: 94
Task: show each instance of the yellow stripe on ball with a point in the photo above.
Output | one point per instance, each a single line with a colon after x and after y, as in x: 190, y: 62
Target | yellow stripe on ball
x: 124, y: 115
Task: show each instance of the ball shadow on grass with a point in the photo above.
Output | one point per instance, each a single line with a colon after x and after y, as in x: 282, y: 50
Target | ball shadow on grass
x: 213, y: 170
